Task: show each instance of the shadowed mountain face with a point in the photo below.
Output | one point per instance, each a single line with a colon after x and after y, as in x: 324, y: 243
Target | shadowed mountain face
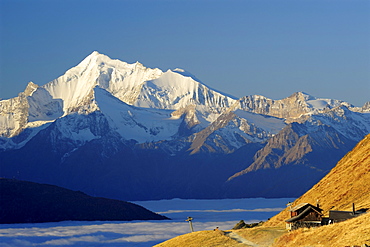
x: 28, y: 202
x: 296, y: 156
x: 128, y: 132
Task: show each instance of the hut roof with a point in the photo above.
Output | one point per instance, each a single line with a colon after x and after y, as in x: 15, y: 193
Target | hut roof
x: 299, y: 206
x: 302, y: 205
x: 304, y: 212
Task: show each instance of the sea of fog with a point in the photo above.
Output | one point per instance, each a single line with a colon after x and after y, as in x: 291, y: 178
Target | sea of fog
x: 206, y: 214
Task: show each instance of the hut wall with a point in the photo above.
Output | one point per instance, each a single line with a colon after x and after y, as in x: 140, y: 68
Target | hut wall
x: 312, y: 216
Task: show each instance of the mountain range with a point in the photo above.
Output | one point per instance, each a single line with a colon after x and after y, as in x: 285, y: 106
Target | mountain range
x: 124, y: 131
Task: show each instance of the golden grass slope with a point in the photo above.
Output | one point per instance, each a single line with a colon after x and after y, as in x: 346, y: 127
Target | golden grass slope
x: 261, y: 236
x: 200, y: 239
x: 348, y: 182
x: 353, y: 232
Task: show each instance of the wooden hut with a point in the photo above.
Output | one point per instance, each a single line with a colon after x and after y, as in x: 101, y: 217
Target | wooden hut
x: 304, y: 215
x: 339, y: 216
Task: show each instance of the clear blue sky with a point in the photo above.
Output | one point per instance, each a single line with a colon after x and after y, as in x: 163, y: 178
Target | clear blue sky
x: 272, y: 48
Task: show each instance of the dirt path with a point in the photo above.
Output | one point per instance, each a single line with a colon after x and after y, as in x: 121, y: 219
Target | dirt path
x: 240, y: 239
x: 261, y: 236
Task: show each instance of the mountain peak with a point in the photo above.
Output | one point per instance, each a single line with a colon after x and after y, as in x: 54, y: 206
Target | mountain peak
x: 366, y: 107
x: 31, y: 87
x: 94, y: 57
x: 302, y: 95
x: 95, y: 53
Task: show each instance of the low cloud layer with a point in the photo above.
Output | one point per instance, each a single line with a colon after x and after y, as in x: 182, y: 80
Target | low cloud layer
x: 237, y: 210
x: 220, y: 213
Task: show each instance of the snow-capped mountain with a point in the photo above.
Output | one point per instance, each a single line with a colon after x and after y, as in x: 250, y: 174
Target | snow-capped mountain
x: 137, y: 131
x: 123, y: 80
x: 133, y: 84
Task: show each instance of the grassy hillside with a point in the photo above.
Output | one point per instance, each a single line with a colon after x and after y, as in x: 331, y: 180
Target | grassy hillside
x: 353, y: 232
x: 348, y: 182
x: 202, y: 238
x: 262, y: 236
